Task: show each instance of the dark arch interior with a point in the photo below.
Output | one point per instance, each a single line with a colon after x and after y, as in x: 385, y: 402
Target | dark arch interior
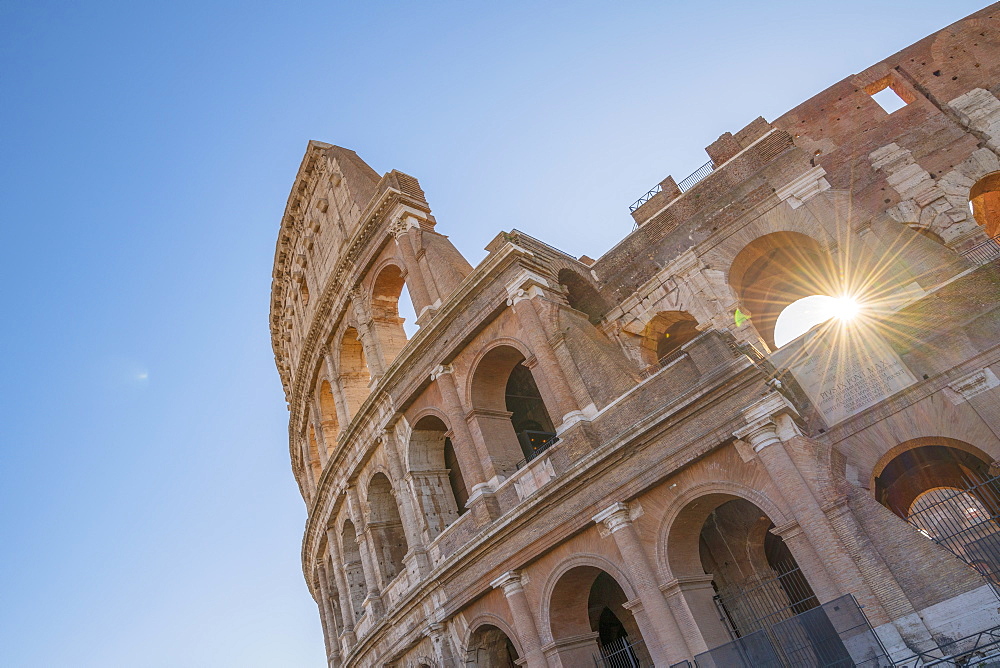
x: 490, y: 647
x: 582, y: 296
x: 757, y: 581
x: 528, y: 413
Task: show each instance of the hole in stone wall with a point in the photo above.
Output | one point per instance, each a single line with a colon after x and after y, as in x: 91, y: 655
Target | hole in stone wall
x: 888, y: 96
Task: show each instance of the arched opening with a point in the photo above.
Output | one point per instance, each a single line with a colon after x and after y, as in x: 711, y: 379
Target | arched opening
x: 353, y: 569
x: 328, y: 416
x: 354, y: 374
x: 509, y: 409
x: 387, y: 322
x: 984, y: 198
x: 664, y: 335
x: 386, y: 527
x: 582, y: 296
x: 777, y: 270
x: 588, y: 606
x: 489, y: 647
x: 947, y: 494
x: 437, y: 479
x: 738, y: 576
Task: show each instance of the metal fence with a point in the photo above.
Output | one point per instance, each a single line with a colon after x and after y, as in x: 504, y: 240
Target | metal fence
x: 697, y: 175
x: 685, y: 184
x: 966, y: 522
x: 834, y: 635
x: 750, y: 651
x: 759, y: 603
x: 622, y: 653
x: 985, y: 252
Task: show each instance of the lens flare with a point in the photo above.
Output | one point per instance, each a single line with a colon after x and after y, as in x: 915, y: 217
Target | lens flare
x: 802, y: 315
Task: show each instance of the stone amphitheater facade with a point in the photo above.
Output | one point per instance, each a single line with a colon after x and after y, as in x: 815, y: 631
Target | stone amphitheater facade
x: 573, y: 455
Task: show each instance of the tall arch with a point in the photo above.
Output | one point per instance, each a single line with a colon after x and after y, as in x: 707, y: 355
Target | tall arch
x: 386, y: 527
x: 509, y: 408
x: 353, y: 568
x: 780, y: 268
x: 723, y: 550
x: 328, y: 415
x: 439, y: 485
x: 387, y: 324
x: 355, y: 377
x: 490, y: 645
x: 586, y: 606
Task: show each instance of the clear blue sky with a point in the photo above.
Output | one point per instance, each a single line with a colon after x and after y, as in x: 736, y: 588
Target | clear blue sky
x: 148, y: 515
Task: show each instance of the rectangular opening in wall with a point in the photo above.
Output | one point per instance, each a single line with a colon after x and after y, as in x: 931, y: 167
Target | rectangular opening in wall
x: 888, y: 96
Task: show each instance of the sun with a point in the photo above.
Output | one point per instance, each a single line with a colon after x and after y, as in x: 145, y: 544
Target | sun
x: 802, y: 315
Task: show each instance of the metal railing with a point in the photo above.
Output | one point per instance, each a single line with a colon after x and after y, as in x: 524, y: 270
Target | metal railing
x: 685, y: 184
x: 645, y: 198
x: 621, y: 653
x: 966, y: 522
x: 984, y: 252
x: 534, y: 443
x: 977, y: 648
x: 697, y: 175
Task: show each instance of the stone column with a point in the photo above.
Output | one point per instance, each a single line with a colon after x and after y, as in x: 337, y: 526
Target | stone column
x: 761, y: 432
x: 339, y: 401
x: 666, y: 643
x: 414, y: 276
x: 347, y: 613
x: 470, y: 458
x: 331, y: 634
x: 416, y: 556
x: 524, y: 621
x: 373, y: 575
x: 317, y: 425
x: 438, y: 634
x: 690, y: 599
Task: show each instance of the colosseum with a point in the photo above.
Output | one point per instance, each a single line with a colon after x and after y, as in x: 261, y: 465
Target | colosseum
x: 633, y: 461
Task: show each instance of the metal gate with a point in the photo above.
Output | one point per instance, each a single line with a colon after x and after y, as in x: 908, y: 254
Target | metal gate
x: 764, y: 600
x: 966, y: 522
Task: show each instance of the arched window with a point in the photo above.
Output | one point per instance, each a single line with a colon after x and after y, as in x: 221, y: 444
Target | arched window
x: 984, y: 197
x: 388, y: 294
x: 587, y: 600
x: 328, y: 416
x: 755, y: 576
x: 440, y: 487
x: 353, y: 568
x: 489, y: 647
x: 779, y: 269
x: 582, y: 296
x: 665, y: 334
x: 948, y: 494
x: 386, y: 527
x: 509, y: 409
x: 354, y: 374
